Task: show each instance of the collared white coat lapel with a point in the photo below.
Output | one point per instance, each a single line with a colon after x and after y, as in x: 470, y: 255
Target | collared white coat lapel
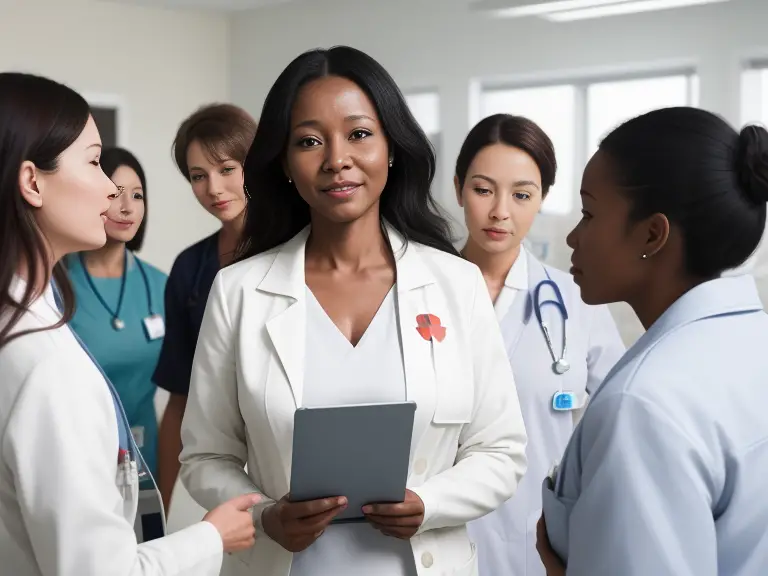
x: 426, y: 362
x: 518, y: 318
x: 430, y: 372
x: 287, y: 329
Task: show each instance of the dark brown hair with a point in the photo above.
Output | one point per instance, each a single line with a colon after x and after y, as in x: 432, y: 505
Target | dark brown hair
x: 515, y: 131
x: 223, y: 130
x: 39, y: 119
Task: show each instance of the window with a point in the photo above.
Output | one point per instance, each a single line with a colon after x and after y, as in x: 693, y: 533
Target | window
x: 611, y: 103
x: 754, y: 93
x: 578, y: 114
x: 554, y: 109
x: 106, y: 122
x: 425, y: 107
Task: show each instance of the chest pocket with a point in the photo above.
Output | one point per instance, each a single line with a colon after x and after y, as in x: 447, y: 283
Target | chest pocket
x: 454, y: 382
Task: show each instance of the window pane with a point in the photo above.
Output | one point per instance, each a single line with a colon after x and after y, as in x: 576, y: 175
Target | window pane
x: 426, y: 108
x: 754, y: 96
x: 553, y: 108
x: 611, y: 103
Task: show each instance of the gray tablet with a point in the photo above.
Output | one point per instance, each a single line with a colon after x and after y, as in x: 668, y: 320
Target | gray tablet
x: 359, y: 451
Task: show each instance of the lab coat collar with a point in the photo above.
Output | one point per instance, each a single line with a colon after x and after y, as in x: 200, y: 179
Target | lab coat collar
x: 521, y: 310
x: 286, y: 275
x: 44, y: 306
x: 517, y: 277
x: 729, y: 295
x: 719, y: 297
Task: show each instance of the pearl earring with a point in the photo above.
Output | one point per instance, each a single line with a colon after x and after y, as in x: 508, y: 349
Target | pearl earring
x: 644, y: 256
x: 390, y: 163
x: 290, y: 181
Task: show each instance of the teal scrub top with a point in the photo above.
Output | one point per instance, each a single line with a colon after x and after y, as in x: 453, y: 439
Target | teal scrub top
x: 127, y: 356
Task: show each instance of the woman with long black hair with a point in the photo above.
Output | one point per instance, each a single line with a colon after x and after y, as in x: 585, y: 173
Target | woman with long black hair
x: 344, y: 252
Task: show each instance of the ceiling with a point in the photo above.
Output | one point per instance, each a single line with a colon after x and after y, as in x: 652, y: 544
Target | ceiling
x: 219, y: 5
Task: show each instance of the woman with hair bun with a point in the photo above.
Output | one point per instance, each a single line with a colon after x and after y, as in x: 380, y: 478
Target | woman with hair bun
x: 665, y: 473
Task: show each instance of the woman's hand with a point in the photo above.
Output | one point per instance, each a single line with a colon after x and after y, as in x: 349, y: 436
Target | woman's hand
x: 296, y: 525
x: 397, y: 520
x: 552, y: 563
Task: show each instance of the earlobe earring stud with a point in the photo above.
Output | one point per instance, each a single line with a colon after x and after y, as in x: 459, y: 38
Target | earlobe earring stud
x: 644, y: 256
x: 390, y: 163
x: 290, y: 181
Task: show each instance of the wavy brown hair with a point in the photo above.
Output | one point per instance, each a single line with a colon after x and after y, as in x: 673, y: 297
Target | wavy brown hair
x: 39, y: 119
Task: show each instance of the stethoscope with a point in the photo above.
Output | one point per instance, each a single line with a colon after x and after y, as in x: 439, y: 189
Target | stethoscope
x: 562, y: 400
x: 117, y: 322
x: 559, y: 363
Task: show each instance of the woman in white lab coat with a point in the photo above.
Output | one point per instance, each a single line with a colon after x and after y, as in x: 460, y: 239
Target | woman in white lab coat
x: 504, y: 172
x: 350, y: 291
x: 69, y: 469
x: 666, y: 472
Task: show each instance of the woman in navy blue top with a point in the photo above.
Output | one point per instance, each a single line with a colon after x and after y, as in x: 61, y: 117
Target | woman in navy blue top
x: 209, y: 149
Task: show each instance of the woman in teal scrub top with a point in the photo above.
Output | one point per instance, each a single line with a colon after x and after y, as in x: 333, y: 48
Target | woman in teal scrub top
x: 120, y: 313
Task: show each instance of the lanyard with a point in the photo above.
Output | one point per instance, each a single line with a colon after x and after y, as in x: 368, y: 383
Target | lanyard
x: 117, y: 322
x: 125, y: 439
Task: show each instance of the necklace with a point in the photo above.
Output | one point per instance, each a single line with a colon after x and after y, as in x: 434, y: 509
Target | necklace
x: 117, y: 322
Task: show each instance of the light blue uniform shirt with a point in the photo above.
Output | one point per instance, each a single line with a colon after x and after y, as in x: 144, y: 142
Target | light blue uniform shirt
x: 666, y: 473
x: 128, y: 356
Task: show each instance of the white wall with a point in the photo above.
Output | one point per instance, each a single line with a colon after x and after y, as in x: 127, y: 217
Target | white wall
x: 161, y: 64
x: 448, y: 48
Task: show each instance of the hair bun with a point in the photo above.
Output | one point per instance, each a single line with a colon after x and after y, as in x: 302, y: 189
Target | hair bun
x: 752, y: 162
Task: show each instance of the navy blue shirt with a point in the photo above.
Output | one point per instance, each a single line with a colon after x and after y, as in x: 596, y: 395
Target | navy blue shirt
x: 186, y: 294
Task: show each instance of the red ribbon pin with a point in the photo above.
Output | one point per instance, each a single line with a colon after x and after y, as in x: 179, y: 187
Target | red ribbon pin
x: 428, y: 325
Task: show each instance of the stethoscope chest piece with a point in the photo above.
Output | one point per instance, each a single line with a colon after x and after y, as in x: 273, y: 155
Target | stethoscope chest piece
x: 561, y: 366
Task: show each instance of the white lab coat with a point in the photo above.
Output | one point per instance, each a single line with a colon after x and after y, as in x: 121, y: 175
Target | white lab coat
x: 61, y: 513
x: 506, y: 538
x: 468, y: 448
x: 666, y: 472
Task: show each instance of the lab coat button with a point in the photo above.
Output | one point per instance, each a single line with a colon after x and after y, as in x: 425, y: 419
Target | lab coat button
x: 421, y: 466
x: 427, y: 560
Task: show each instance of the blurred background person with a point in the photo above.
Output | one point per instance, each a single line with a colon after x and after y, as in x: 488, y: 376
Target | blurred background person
x: 209, y: 149
x: 120, y: 313
x: 560, y: 348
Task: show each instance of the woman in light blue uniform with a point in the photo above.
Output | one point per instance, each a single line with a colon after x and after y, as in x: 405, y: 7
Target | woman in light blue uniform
x: 666, y: 473
x: 503, y: 174
x: 120, y: 310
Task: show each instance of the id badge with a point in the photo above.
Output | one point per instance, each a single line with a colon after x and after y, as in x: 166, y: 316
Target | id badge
x: 564, y: 401
x: 154, y: 326
x: 138, y: 436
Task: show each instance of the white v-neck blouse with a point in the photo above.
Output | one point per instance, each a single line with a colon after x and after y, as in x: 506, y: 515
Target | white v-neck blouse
x: 337, y: 373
